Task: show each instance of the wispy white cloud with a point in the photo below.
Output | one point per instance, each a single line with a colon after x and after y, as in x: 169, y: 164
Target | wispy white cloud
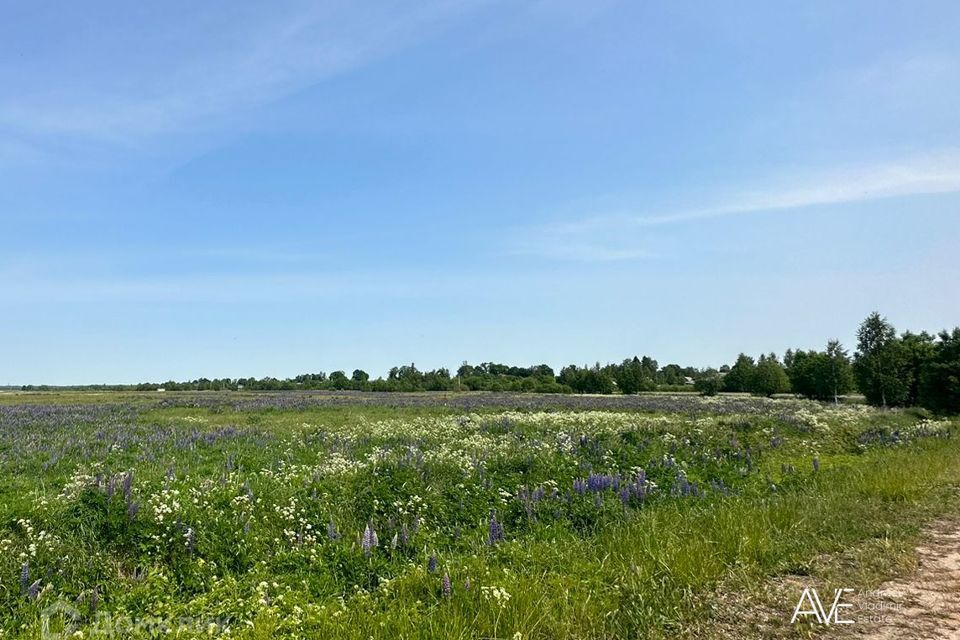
x: 616, y: 236
x: 198, y: 67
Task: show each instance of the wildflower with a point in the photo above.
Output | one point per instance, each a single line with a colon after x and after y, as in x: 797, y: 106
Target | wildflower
x: 816, y: 464
x: 495, y: 533
x: 432, y: 564
x: 128, y: 487
x: 369, y: 540
x: 190, y: 540
x: 446, y: 586
x: 24, y: 577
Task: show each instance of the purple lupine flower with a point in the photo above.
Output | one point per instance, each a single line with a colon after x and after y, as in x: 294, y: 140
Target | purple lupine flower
x: 94, y: 601
x: 24, y: 577
x: 495, y: 532
x: 128, y: 487
x: 404, y: 535
x: 246, y: 527
x: 132, y: 509
x: 332, y: 531
x: 33, y: 591
x: 816, y: 465
x: 432, y: 564
x: 369, y: 540
x: 446, y: 586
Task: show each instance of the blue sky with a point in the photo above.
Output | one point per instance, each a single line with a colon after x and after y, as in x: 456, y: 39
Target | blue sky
x: 249, y: 189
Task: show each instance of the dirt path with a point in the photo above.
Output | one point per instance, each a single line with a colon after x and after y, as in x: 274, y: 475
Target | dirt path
x: 923, y: 605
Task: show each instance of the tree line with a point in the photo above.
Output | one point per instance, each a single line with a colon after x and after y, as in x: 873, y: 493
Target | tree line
x: 889, y: 369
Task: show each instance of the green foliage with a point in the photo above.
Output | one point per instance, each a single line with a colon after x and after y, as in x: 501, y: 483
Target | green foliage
x: 881, y: 364
x: 741, y: 374
x: 821, y: 375
x: 709, y: 386
x: 235, y: 501
x: 919, y: 350
x: 768, y: 377
x: 940, y: 375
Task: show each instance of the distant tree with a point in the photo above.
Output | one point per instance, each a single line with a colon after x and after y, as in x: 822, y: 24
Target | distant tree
x: 709, y: 385
x: 359, y: 375
x: 788, y: 359
x: 840, y: 372
x: 940, y: 376
x: 649, y: 367
x: 672, y: 374
x: 629, y: 376
x: 739, y: 377
x: 338, y: 380
x: 768, y: 377
x: 880, y: 364
x: 542, y: 371
x: 822, y: 375
x: 918, y: 349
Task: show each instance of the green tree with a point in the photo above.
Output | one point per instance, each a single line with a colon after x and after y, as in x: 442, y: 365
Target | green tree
x: 709, y: 385
x: 338, y: 380
x: 629, y: 376
x: 840, y: 372
x: 740, y: 374
x: 919, y: 349
x: 821, y: 375
x: 768, y: 377
x: 880, y: 364
x: 940, y: 377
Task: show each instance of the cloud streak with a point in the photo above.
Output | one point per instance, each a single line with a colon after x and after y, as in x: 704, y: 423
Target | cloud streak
x: 207, y: 65
x: 616, y: 236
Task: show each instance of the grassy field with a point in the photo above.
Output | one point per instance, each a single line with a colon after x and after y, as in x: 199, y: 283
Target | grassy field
x: 451, y: 516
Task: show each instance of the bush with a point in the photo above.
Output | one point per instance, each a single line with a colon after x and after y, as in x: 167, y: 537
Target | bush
x: 708, y: 386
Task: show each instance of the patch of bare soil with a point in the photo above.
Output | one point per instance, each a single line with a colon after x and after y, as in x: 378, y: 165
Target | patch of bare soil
x: 922, y: 605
